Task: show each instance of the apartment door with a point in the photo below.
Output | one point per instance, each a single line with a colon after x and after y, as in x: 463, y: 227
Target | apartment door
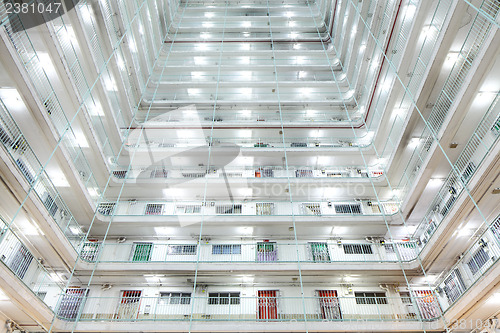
x: 267, y: 252
x: 71, y: 303
x: 268, y: 304
x: 329, y: 304
x: 129, y: 304
x: 319, y: 251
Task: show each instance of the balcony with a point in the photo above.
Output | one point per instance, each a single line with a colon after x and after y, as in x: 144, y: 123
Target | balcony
x: 264, y: 210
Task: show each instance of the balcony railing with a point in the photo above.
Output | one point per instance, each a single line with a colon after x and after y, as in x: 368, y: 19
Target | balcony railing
x: 25, y: 266
x: 23, y: 156
x: 479, y: 145
x: 473, y: 265
x: 247, y: 208
x: 231, y: 308
x: 261, y: 172
x: 260, y: 252
x: 255, y: 142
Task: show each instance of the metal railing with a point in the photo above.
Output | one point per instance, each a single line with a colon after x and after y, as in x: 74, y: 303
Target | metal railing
x: 479, y: 145
x: 473, y: 265
x: 180, y: 209
x: 236, y: 308
x: 260, y: 252
x: 25, y: 266
x: 253, y: 142
x: 23, y: 156
x: 264, y: 172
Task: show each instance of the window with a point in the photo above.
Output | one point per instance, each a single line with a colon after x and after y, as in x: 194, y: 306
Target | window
x: 302, y: 173
x: 120, y: 174
x: 357, y: 249
x: 370, y: 298
x: 106, y: 208
x: 182, y: 249
x: 159, y: 173
x: 348, y: 208
x: 174, y: 298
x: 264, y: 173
x: 224, y: 298
x: 188, y: 209
x: 468, y: 172
x: 50, y: 205
x: 25, y: 170
x: 226, y: 249
x: 193, y: 174
x: 154, y: 209
x: 228, y: 209
x: 264, y: 208
x: 319, y: 251
x: 90, y: 250
x: 311, y: 208
x: 478, y: 260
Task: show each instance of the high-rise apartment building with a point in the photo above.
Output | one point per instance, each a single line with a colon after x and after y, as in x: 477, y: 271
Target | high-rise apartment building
x: 249, y: 166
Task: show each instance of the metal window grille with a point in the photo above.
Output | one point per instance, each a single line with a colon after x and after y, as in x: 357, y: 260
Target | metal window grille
x: 90, y: 250
x: 454, y: 285
x: 370, y: 298
x: 71, y: 303
x: 468, y: 172
x: 174, y: 298
x: 193, y: 174
x: 267, y: 252
x: 298, y: 144
x: 303, y: 173
x: 353, y: 208
x: 329, y: 304
x: 182, y: 249
x: 25, y: 170
x: 264, y: 208
x: 226, y: 249
x: 264, y: 173
x: 311, y: 208
x: 188, y: 209
x: 427, y: 304
x: 120, y: 174
x: 478, y: 260
x: 106, y: 208
x: 159, y: 173
x: 448, y: 205
x: 319, y: 251
x: 20, y: 261
x: 129, y: 304
x: 358, y: 249
x: 228, y: 209
x: 50, y: 205
x: 142, y: 251
x: 224, y: 298
x: 154, y: 209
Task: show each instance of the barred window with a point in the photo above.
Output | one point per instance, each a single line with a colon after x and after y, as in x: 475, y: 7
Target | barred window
x: 354, y: 208
x: 357, y: 249
x: 370, y: 298
x: 174, y: 298
x: 224, y: 298
x: 228, y: 209
x: 154, y: 209
x: 182, y: 249
x: 226, y: 249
